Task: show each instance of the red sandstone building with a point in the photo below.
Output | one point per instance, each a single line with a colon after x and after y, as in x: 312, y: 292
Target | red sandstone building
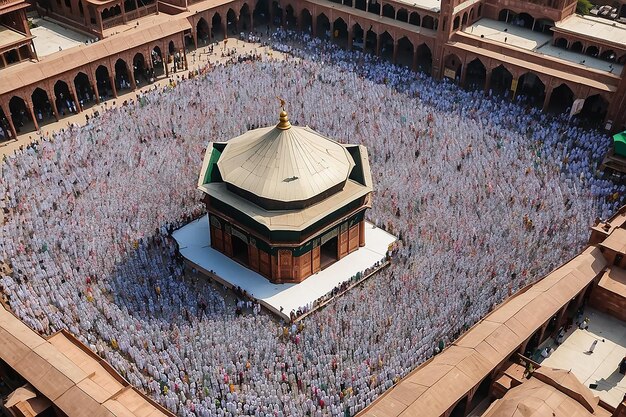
x: 286, y: 201
x: 540, y: 49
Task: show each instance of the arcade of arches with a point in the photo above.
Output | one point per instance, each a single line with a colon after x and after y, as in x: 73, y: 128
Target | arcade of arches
x: 33, y: 106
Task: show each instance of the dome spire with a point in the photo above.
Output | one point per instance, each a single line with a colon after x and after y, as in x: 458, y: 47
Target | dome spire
x: 283, y: 124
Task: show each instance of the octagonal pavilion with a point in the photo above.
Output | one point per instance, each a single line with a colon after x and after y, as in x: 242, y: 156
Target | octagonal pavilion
x: 286, y: 201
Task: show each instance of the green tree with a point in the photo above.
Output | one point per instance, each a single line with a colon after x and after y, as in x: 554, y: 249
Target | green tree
x: 583, y: 7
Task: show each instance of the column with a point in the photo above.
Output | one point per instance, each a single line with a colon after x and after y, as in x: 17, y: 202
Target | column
x: 463, y: 74
x: 123, y: 12
x: 380, y: 12
x: 377, y: 45
x: 350, y: 40
x: 32, y: 114
x: 75, y: 96
x: 10, y: 120
x: 364, y: 40
x: 513, y: 91
x: 99, y: 19
x: 131, y: 74
x: 395, y: 51
x: 362, y: 233
x: 94, y: 87
x: 414, y: 65
x: 546, y: 100
x: 113, y: 86
x: 488, y: 81
x: 53, y: 102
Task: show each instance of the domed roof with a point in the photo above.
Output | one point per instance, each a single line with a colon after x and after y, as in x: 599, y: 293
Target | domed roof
x: 285, y: 164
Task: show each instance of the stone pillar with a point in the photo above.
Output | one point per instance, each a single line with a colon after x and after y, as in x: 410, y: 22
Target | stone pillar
x: 94, y: 87
x: 10, y: 120
x: 364, y: 40
x: 463, y: 74
x: 377, y: 45
x: 32, y: 114
x: 75, y: 96
x: 414, y: 64
x: 113, y: 86
x: 395, y: 51
x: 53, y: 102
x: 131, y: 74
x: 546, y: 100
x: 362, y: 233
x: 488, y: 81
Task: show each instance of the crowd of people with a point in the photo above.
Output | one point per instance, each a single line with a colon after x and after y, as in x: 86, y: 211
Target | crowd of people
x: 486, y: 196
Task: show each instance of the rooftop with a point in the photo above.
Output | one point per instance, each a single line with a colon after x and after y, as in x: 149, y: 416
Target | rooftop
x: 430, y: 5
x: 284, y: 163
x: 600, y: 367
x: 51, y: 37
x: 10, y: 36
x: 537, y: 42
x: 594, y: 27
x: 616, y: 241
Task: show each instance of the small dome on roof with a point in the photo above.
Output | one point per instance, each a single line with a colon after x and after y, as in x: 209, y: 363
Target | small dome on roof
x: 285, y: 166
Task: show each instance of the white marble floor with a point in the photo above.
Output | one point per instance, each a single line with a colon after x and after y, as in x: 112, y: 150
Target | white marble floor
x: 601, y: 366
x: 194, y: 243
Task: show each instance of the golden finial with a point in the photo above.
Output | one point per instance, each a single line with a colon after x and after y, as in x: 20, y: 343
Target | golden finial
x: 284, y: 118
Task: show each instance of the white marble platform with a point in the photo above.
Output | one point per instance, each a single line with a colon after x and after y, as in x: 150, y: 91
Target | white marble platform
x: 194, y: 243
x: 601, y: 366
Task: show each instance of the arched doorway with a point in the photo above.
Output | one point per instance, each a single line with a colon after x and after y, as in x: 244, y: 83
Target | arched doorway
x: 374, y: 8
x: 507, y: 16
x: 83, y: 90
x: 20, y: 115
x: 576, y: 47
x: 261, y: 13
x: 543, y: 26
x: 500, y: 81
x: 323, y: 27
x: 139, y: 69
x: 592, y: 51
x: 608, y: 55
x: 424, y: 58
x: 41, y: 107
x: 476, y: 75
x: 386, y: 46
x: 532, y: 89
x: 340, y: 32
x: 63, y: 99
x: 594, y: 111
x: 231, y: 21
x: 244, y: 17
x: 157, y: 62
x: 307, y: 21
x: 561, y: 43
x: 464, y: 20
x: 240, y: 249
x: 403, y: 15
x: 171, y: 48
x: 358, y: 37
x: 103, y: 80
x: 389, y: 11
x: 129, y: 5
x: 202, y: 32
x: 525, y: 20
x: 452, y: 67
x: 290, y: 18
x: 456, y: 23
x: 122, y: 79
x: 5, y: 127
x: 278, y: 13
x: 414, y: 19
x: 561, y: 99
x: 217, y: 30
x: 370, y: 41
x: 404, y: 55
x: 428, y: 22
